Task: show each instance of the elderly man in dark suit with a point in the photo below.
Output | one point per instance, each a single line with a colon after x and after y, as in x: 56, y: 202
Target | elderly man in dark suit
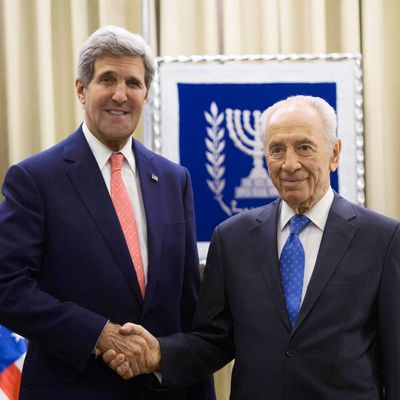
x: 304, y: 293
x: 97, y: 231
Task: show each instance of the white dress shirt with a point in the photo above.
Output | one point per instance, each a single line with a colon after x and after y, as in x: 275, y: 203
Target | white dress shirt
x: 131, y: 179
x: 310, y: 237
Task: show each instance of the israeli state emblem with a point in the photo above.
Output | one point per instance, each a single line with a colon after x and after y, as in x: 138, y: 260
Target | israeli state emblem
x: 243, y: 131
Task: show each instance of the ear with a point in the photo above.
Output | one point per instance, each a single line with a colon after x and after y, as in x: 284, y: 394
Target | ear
x: 334, y: 161
x: 80, y: 90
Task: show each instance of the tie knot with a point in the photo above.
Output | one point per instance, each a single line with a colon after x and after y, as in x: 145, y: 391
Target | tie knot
x: 116, y: 160
x: 298, y: 223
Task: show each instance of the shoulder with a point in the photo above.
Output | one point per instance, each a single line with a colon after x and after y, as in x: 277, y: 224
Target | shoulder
x: 139, y: 148
x: 253, y: 217
x: 161, y: 164
x: 371, y: 226
x: 361, y: 215
x: 46, y: 159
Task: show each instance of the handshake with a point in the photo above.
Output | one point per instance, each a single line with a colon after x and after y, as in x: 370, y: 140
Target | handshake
x: 129, y: 350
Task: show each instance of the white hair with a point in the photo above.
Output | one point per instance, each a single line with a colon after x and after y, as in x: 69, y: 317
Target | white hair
x: 325, y: 110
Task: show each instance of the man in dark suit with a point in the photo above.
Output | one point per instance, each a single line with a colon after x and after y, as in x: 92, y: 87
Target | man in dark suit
x: 82, y: 251
x: 330, y: 330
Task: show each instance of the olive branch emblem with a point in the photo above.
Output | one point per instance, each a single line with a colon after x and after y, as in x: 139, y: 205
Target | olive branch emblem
x: 215, y: 144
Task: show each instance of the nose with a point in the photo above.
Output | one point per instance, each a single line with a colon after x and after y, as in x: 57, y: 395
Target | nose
x: 291, y: 162
x: 119, y: 95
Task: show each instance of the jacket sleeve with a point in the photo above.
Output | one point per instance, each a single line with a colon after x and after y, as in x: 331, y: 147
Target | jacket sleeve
x: 389, y: 318
x: 203, y: 390
x: 191, y: 280
x: 187, y: 358
x: 65, y: 329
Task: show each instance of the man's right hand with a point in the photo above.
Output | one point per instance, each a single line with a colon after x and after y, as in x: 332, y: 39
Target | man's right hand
x: 143, y: 357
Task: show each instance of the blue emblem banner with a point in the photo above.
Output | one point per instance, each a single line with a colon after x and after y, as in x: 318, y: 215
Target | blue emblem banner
x: 206, y: 113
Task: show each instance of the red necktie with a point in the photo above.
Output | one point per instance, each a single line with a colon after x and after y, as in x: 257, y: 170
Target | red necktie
x: 123, y: 207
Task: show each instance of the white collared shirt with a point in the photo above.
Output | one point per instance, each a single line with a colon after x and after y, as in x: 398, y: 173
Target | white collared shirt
x: 310, y: 237
x: 131, y: 179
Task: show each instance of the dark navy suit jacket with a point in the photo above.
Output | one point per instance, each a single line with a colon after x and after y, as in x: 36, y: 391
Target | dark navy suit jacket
x: 65, y: 269
x: 346, y: 342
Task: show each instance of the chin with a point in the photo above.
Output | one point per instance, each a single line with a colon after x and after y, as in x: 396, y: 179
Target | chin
x: 297, y: 203
x: 118, y: 134
x: 294, y: 197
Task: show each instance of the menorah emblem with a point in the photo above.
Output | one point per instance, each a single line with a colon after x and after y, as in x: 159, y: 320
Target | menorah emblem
x: 248, y: 139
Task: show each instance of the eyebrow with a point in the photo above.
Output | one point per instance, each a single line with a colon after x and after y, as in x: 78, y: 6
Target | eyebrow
x: 304, y: 141
x: 274, y: 143
x: 112, y: 73
x: 107, y: 72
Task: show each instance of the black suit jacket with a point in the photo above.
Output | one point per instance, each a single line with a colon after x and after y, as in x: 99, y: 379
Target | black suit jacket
x: 65, y: 269
x: 346, y: 343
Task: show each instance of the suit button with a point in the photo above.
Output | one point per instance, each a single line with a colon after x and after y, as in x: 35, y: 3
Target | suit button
x: 290, y: 353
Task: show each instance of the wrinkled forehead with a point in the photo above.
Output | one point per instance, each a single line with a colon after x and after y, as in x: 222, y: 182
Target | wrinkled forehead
x: 294, y: 111
x: 118, y: 61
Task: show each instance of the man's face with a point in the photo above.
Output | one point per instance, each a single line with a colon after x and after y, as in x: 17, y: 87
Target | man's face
x: 114, y: 98
x: 298, y: 156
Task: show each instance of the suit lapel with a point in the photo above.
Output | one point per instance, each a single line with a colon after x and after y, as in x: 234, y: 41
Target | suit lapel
x: 264, y: 241
x: 338, y: 234
x: 151, y: 192
x: 82, y: 168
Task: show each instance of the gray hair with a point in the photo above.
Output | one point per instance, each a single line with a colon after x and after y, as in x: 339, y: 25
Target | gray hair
x: 114, y: 41
x: 325, y: 110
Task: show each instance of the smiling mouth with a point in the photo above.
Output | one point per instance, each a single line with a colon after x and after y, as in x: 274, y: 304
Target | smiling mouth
x: 117, y: 113
x: 292, y: 182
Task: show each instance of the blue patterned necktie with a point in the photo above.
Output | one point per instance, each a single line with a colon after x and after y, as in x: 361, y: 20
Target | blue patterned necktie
x: 292, y: 267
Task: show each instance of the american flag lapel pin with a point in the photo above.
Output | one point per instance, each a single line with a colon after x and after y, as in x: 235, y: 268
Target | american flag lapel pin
x: 154, y: 177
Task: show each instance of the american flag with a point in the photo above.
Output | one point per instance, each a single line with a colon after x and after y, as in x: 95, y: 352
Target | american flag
x: 12, y: 353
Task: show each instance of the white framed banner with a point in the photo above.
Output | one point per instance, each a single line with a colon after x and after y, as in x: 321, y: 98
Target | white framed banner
x: 205, y: 116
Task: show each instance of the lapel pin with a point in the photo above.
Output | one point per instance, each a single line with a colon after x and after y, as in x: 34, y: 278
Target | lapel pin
x: 154, y: 177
